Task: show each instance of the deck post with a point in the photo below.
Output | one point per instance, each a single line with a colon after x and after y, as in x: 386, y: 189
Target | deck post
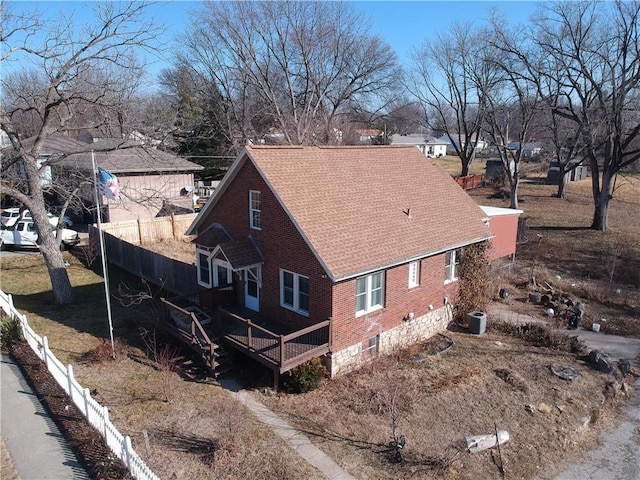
x: 282, y: 356
x: 276, y: 380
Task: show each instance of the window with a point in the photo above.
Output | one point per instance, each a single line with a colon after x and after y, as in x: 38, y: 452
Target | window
x: 414, y: 274
x: 294, y: 292
x: 371, y: 347
x: 223, y: 275
x: 451, y: 265
x: 369, y: 293
x: 255, y: 217
x: 204, y: 268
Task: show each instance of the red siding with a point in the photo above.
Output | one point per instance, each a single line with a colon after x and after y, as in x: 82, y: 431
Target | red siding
x: 505, y: 229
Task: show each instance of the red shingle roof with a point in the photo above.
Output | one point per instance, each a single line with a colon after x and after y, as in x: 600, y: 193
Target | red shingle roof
x: 365, y: 208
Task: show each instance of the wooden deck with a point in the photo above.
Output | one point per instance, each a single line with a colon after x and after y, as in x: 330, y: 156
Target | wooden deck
x: 271, y: 343
x: 278, y: 347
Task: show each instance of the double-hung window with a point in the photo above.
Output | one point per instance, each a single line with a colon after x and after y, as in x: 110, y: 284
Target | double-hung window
x: 369, y: 293
x: 294, y: 292
x: 223, y: 275
x: 414, y: 274
x: 204, y: 268
x: 451, y: 265
x: 255, y: 210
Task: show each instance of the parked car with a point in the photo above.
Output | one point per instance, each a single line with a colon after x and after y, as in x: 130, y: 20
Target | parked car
x: 23, y: 235
x: 10, y: 216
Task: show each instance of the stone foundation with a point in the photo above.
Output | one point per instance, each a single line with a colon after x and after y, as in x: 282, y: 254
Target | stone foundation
x: 408, y: 333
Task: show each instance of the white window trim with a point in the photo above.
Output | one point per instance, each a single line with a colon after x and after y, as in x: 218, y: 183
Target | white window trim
x: 214, y: 271
x: 251, y: 210
x: 371, y: 308
x: 455, y: 259
x: 414, y: 274
x: 204, y: 282
x: 296, y: 292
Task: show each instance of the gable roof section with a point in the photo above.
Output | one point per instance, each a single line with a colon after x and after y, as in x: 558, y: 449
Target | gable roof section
x: 416, y: 139
x: 364, y: 208
x: 120, y: 157
x: 241, y: 253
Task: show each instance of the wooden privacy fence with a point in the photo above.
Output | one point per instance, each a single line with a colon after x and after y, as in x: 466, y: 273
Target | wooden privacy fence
x: 96, y: 414
x: 177, y: 277
x: 139, y: 232
x: 471, y: 181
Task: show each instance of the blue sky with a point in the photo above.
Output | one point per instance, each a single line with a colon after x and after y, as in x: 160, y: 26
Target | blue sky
x: 402, y: 24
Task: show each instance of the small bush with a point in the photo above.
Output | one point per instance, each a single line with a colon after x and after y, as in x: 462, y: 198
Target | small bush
x: 537, y: 335
x: 10, y: 331
x: 305, y: 377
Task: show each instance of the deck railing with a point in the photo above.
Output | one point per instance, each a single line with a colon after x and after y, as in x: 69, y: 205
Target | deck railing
x: 280, y: 352
x: 188, y: 326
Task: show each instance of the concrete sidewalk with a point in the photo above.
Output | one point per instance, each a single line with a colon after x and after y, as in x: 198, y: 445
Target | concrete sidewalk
x: 34, y: 442
x: 300, y: 442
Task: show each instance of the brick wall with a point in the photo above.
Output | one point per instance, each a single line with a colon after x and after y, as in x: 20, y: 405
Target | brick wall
x: 280, y: 243
x: 399, y: 302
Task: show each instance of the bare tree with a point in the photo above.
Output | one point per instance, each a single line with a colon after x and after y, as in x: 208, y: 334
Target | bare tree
x: 513, y: 105
x: 287, y: 70
x: 72, y: 67
x: 594, y: 51
x: 450, y: 76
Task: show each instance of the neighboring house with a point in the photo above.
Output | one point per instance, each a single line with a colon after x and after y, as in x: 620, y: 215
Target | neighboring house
x: 339, y: 253
x: 529, y: 150
x: 429, y: 146
x: 367, y: 135
x: 451, y: 148
x: 151, y: 182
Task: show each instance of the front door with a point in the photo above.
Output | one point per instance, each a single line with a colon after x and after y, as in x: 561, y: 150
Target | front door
x: 252, y: 288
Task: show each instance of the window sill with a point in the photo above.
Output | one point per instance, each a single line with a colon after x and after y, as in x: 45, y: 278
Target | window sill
x: 362, y: 313
x: 291, y: 309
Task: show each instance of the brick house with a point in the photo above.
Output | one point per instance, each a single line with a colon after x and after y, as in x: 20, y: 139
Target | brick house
x: 341, y: 253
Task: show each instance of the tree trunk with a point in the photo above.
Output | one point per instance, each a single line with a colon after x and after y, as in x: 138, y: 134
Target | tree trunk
x: 61, y: 286
x: 465, y: 167
x: 513, y: 190
x: 561, y: 185
x: 601, y: 212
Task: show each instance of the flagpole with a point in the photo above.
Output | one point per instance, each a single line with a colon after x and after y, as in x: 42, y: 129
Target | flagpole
x: 102, y: 252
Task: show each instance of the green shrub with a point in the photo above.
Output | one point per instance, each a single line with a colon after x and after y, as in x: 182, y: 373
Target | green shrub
x: 10, y: 331
x: 305, y: 377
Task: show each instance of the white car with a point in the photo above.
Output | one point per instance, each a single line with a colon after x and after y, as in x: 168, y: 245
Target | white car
x: 10, y: 216
x: 23, y: 234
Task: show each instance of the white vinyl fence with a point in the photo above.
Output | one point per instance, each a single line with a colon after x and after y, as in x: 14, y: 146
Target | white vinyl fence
x: 97, y: 415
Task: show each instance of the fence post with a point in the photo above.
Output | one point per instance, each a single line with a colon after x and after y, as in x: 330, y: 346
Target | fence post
x: 105, y: 419
x: 45, y: 350
x: 69, y: 381
x: 86, y: 395
x: 127, y: 451
x: 139, y: 231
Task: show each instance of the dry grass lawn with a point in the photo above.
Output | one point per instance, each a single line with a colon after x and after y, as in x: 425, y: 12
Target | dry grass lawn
x: 483, y: 383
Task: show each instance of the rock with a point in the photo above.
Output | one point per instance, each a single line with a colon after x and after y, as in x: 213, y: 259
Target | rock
x: 560, y: 408
x: 478, y: 443
x: 584, y: 423
x: 544, y: 408
x: 530, y: 408
x: 564, y: 372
